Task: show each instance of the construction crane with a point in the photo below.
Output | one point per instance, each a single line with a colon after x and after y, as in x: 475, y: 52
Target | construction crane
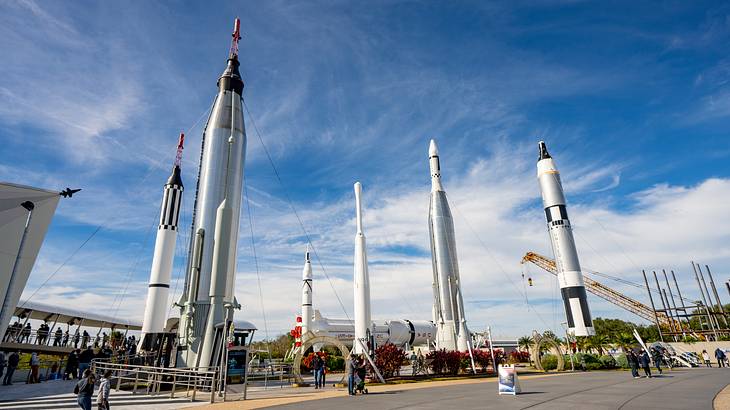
x: 602, y: 291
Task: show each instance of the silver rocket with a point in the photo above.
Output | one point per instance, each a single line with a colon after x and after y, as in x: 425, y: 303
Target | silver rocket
x: 363, y: 323
x: 570, y: 277
x: 448, y: 310
x: 155, y: 313
x: 211, y: 269
x: 307, y: 309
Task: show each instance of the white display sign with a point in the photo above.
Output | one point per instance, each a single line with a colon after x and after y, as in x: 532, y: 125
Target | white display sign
x: 508, y: 382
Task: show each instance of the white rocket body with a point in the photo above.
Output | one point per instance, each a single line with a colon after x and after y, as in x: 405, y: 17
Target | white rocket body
x: 307, y: 310
x: 211, y: 269
x: 363, y: 323
x: 403, y: 333
x: 158, y: 292
x: 570, y: 278
x: 448, y: 310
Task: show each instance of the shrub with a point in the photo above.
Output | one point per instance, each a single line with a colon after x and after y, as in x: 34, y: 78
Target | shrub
x: 482, y: 358
x: 389, y: 359
x: 622, y: 362
x: 335, y: 363
x: 453, y: 362
x: 519, y: 357
x: 444, y: 362
x: 607, y: 362
x: 593, y: 366
x: 549, y: 362
x: 438, y: 360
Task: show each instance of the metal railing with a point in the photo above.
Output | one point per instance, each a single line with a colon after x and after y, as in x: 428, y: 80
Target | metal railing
x: 157, y: 380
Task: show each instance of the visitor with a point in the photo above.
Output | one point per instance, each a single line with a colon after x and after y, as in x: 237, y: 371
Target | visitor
x: 706, y: 358
x: 85, y: 359
x: 656, y: 356
x: 13, y: 361
x: 645, y: 362
x: 35, y: 364
x: 57, y: 337
x: 72, y: 366
x: 64, y: 342
x: 317, y: 367
x: 633, y: 363
x: 102, y: 398
x: 25, y: 334
x: 85, y: 340
x: 352, y: 369
x: 84, y: 389
x: 720, y: 356
x: 42, y: 334
x: 76, y: 339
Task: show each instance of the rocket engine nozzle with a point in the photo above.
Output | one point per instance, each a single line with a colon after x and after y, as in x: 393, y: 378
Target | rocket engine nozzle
x: 544, y: 154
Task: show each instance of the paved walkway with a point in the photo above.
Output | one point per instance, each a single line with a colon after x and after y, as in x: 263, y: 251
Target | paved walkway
x: 679, y: 389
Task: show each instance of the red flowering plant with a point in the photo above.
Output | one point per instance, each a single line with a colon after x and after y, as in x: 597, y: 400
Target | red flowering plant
x: 389, y: 359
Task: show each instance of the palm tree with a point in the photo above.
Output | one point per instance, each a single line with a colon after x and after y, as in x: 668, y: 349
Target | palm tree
x: 598, y: 343
x: 581, y: 343
x: 625, y: 340
x: 525, y: 343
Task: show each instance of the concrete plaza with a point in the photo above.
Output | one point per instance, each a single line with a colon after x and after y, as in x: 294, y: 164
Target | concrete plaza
x: 679, y: 389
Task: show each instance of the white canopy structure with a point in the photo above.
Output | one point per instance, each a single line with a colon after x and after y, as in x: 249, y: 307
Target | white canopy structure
x: 14, y: 215
x: 60, y: 314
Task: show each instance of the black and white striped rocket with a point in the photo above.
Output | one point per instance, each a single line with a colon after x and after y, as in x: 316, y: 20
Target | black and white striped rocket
x: 448, y: 309
x: 570, y: 277
x: 155, y: 313
x: 307, y: 310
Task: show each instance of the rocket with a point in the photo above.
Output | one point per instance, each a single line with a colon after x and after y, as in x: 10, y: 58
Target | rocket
x: 155, y: 314
x: 208, y: 298
x: 307, y: 312
x: 570, y: 277
x: 363, y: 323
x: 448, y: 309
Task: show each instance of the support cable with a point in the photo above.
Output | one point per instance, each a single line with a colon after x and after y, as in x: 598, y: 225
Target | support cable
x: 256, y: 263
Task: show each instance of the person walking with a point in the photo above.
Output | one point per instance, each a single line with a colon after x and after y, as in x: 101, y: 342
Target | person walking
x: 13, y: 361
x: 706, y: 358
x: 720, y: 356
x: 102, y: 398
x: 633, y: 363
x: 657, y: 358
x: 25, y: 334
x: 352, y: 369
x: 317, y: 367
x: 35, y: 364
x: 84, y: 389
x: 645, y: 362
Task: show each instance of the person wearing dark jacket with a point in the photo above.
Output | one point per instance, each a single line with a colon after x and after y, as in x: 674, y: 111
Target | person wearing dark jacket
x: 72, y: 365
x: 720, y: 356
x: 656, y: 356
x: 317, y: 365
x: 645, y: 362
x: 13, y: 361
x: 85, y: 390
x: 633, y: 363
x: 85, y: 359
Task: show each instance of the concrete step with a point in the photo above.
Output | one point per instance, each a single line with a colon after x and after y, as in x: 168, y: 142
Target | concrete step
x: 69, y: 402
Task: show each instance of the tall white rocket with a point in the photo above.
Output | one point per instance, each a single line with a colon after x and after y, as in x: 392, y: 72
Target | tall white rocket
x: 363, y: 323
x: 448, y: 310
x: 209, y: 300
x: 307, y: 309
x: 155, y: 314
x: 570, y: 276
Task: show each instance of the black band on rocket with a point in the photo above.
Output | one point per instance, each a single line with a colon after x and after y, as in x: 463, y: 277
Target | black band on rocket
x: 576, y: 292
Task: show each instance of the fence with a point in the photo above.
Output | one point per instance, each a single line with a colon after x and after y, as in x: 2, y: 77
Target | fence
x: 157, y: 380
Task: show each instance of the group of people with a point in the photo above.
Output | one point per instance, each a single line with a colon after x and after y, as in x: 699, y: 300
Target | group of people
x: 23, y: 334
x: 356, y: 374
x: 12, y: 361
x: 84, y: 390
x: 720, y: 356
x: 642, y: 359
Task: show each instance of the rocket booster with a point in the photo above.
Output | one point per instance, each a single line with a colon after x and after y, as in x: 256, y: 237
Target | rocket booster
x: 570, y: 277
x: 307, y: 312
x: 363, y: 322
x: 451, y: 330
x: 158, y: 291
x: 217, y: 210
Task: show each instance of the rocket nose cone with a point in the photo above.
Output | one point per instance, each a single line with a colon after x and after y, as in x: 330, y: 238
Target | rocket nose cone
x: 433, y: 150
x: 543, y: 151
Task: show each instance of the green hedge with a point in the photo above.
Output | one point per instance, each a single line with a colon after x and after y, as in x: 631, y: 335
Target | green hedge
x: 549, y: 362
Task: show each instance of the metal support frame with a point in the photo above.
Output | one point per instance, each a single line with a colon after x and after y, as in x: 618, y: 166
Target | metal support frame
x: 653, y: 307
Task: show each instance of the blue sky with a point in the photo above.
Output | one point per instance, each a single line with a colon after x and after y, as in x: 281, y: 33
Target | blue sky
x: 632, y: 99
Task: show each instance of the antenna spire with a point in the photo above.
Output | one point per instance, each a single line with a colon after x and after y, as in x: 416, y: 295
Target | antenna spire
x: 178, y: 156
x: 236, y: 36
